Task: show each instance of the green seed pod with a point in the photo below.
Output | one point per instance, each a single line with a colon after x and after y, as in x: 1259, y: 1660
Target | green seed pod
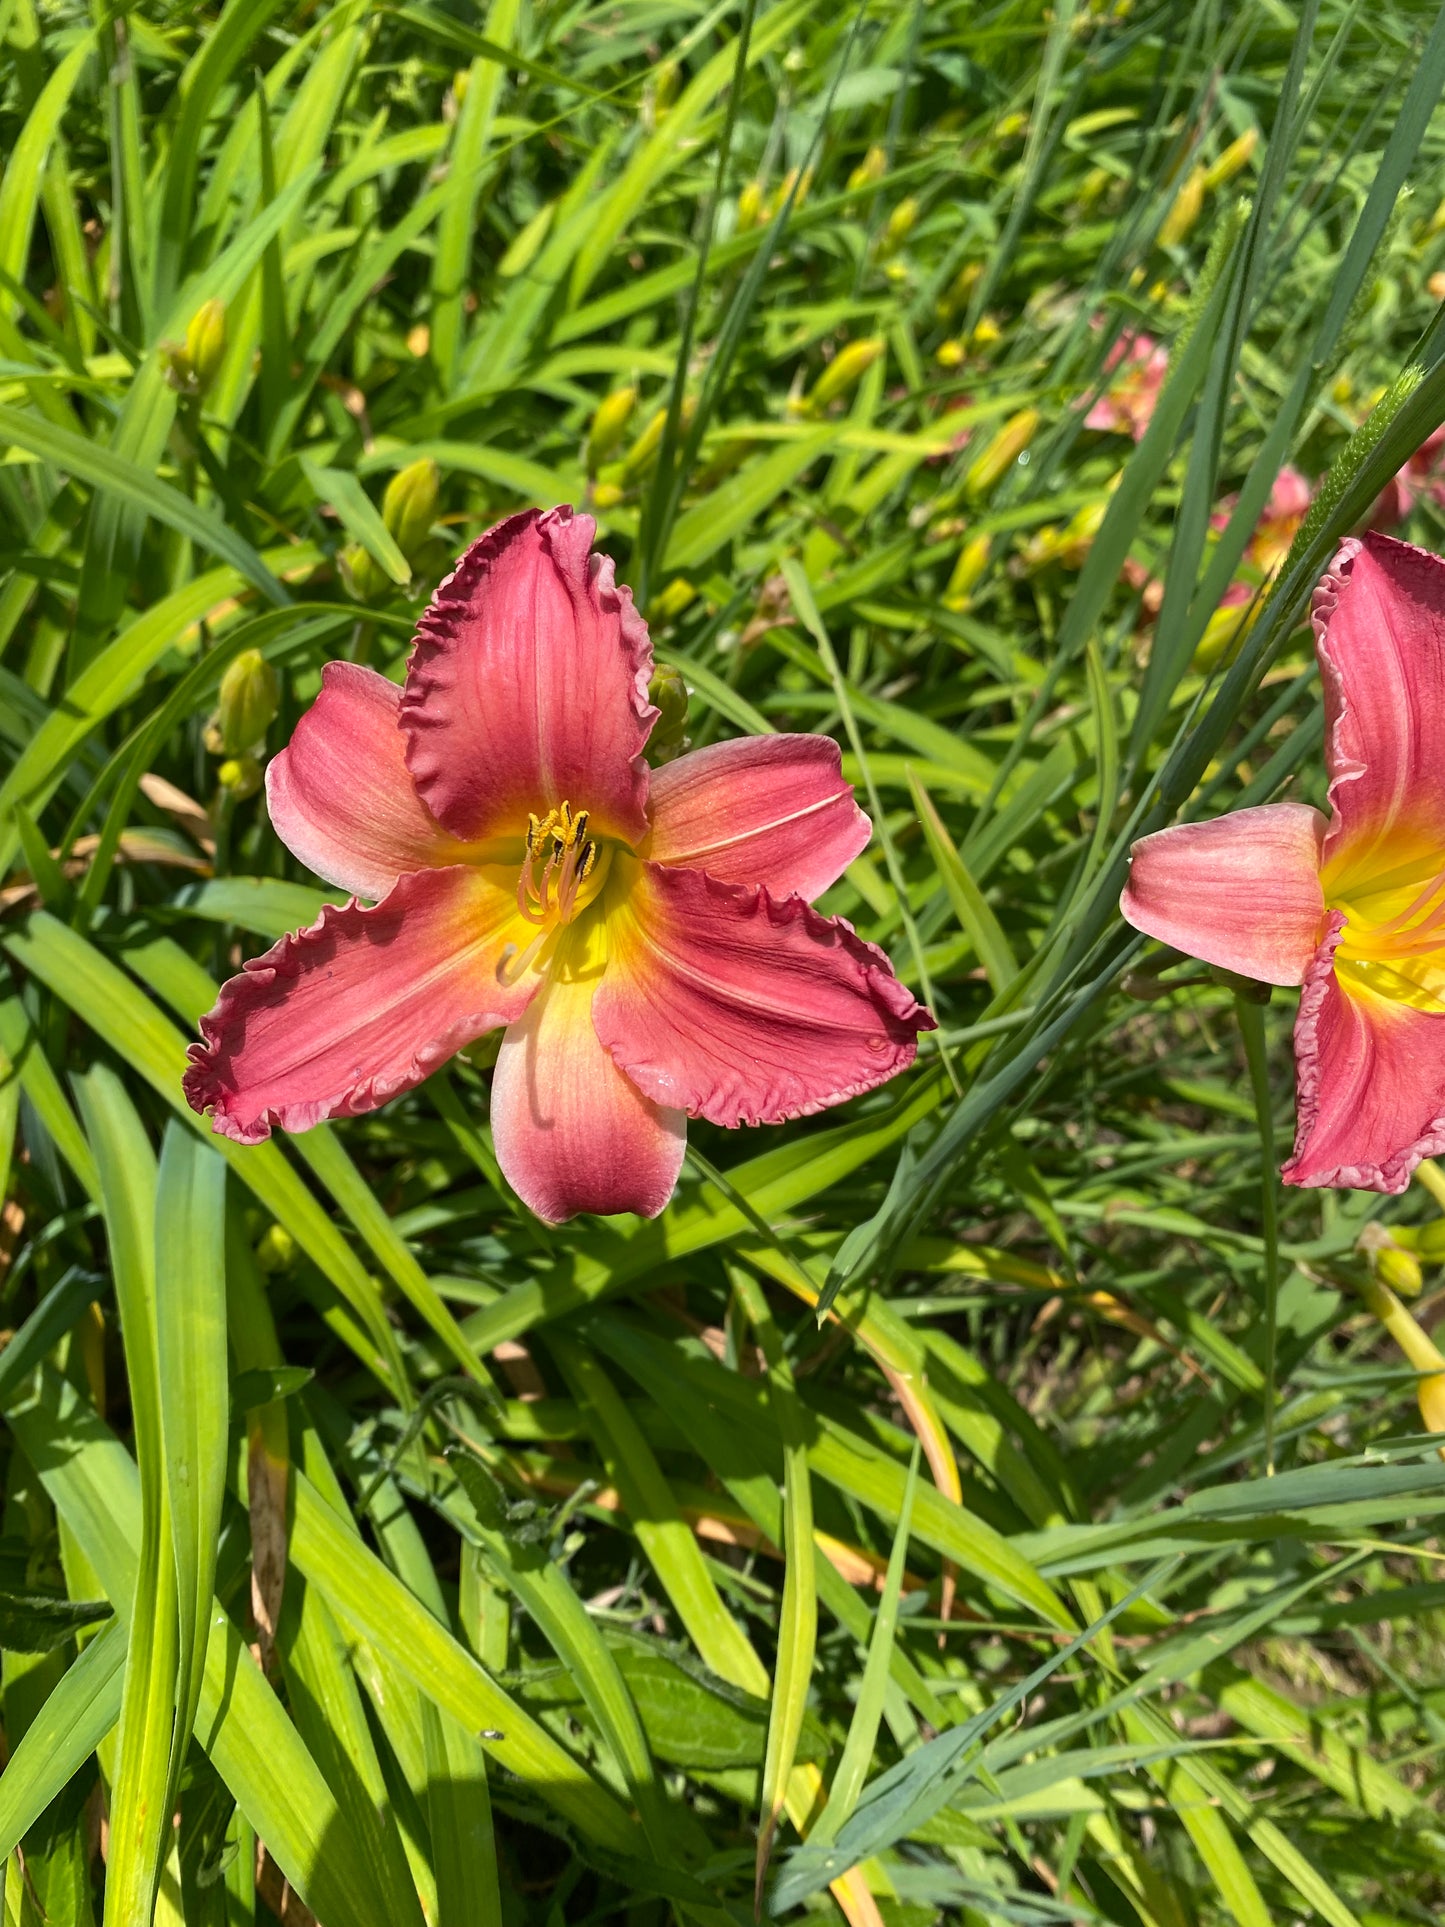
x: 250, y: 695
x: 410, y: 504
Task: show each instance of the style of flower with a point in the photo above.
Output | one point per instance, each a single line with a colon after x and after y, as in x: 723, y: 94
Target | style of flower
x: 1126, y: 406
x: 1350, y: 906
x: 1423, y: 475
x: 646, y: 938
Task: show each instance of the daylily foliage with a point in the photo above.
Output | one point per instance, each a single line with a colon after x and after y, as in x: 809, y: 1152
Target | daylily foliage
x: 644, y: 936
x: 1350, y: 906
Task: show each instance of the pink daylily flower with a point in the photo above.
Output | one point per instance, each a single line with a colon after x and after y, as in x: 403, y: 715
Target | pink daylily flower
x: 1126, y: 406
x: 644, y: 936
x: 1423, y: 475
x: 1350, y: 906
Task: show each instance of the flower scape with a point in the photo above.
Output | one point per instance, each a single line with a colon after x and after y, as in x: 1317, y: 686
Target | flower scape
x: 645, y: 937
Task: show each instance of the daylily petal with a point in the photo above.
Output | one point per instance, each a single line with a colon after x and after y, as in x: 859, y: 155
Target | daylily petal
x: 1241, y: 891
x: 1370, y: 1073
x: 528, y: 685
x: 339, y: 1018
x: 773, y: 810
x: 340, y: 794
x: 571, y: 1132
x: 1379, y: 618
x: 741, y: 1008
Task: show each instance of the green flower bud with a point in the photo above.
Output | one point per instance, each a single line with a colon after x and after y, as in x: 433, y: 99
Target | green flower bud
x: 609, y: 424
x: 872, y: 168
x: 206, y: 343
x: 240, y: 777
x: 249, y: 698
x: 363, y: 579
x: 276, y: 1249
x: 668, y: 692
x: 845, y: 369
x: 901, y: 223
x: 410, y: 504
x: 1001, y: 453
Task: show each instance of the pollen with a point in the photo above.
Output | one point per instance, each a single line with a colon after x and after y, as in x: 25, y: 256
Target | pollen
x: 561, y: 858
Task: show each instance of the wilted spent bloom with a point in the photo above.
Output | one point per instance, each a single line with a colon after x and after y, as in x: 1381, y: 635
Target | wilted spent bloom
x: 1001, y: 453
x: 1188, y: 205
x: 872, y: 168
x: 667, y: 692
x: 1235, y: 158
x: 846, y: 368
x: 409, y: 505
x: 609, y: 424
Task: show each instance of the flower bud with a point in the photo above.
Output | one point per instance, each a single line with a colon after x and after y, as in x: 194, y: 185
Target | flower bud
x: 527, y: 243
x: 949, y: 354
x: 240, y: 777
x: 410, y: 504
x: 362, y: 578
x: 901, y: 223
x: 643, y: 452
x: 967, y: 572
x: 791, y: 180
x: 250, y: 695
x: 872, y: 167
x: 987, y: 333
x: 959, y: 289
x: 1188, y: 206
x: 608, y: 425
x: 1095, y: 186
x: 276, y: 1249
x: 664, y: 88
x: 1400, y: 1270
x: 845, y: 369
x: 667, y: 692
x: 606, y: 495
x: 671, y: 601
x: 1235, y: 158
x: 750, y: 206
x: 206, y: 343
x: 1001, y: 453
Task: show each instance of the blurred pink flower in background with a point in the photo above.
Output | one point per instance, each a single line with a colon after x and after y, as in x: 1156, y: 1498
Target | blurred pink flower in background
x: 1127, y: 404
x: 1423, y: 474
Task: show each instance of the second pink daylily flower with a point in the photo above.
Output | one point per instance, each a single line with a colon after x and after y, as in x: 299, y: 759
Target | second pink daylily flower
x: 1138, y: 364
x: 644, y: 936
x: 1350, y: 906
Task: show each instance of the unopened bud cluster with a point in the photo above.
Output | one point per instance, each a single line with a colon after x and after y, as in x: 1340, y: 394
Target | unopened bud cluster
x: 246, y: 707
